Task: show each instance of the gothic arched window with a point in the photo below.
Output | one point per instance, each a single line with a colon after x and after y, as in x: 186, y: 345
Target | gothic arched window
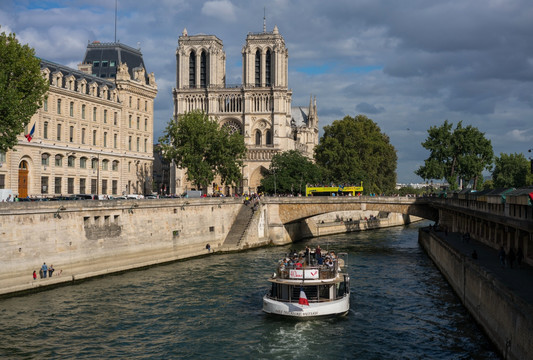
x: 268, y: 77
x: 203, y: 70
x: 269, y: 137
x: 257, y: 137
x: 192, y: 69
x: 257, y: 68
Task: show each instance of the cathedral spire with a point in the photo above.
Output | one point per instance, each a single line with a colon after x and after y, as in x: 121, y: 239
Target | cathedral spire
x: 264, y: 20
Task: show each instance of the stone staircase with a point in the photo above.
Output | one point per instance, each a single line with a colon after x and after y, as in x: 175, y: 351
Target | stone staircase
x: 238, y: 229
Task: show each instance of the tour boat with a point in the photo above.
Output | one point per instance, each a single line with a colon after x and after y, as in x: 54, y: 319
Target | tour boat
x: 308, y: 287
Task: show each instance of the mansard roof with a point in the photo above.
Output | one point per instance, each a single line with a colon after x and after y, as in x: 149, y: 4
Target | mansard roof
x: 113, y: 52
x: 78, y: 75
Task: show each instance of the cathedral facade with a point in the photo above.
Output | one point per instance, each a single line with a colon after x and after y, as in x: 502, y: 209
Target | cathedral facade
x: 260, y: 108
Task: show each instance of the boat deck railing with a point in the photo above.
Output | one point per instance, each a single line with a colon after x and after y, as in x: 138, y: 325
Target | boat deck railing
x: 324, y: 271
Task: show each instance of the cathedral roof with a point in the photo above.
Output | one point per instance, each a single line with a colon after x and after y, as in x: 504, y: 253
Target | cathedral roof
x: 299, y: 116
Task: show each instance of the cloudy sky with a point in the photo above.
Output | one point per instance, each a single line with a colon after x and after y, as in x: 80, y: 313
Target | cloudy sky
x: 407, y: 65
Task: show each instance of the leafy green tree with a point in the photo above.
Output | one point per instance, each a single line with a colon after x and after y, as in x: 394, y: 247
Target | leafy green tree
x: 511, y: 170
x: 289, y: 173
x: 22, y: 89
x: 204, y: 149
x: 462, y: 153
x: 353, y: 150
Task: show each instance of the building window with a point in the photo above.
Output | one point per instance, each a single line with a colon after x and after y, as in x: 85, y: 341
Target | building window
x: 82, y: 186
x: 83, y: 111
x: 104, y: 63
x: 71, y: 161
x: 104, y: 186
x: 70, y: 185
x: 93, y: 186
x: 2, y: 181
x: 58, y: 132
x: 57, y: 185
x: 115, y: 118
x: 105, y: 139
x: 269, y: 137
x: 115, y: 139
x: 45, y: 159
x: 59, y: 106
x: 2, y: 157
x: 71, y: 134
x: 94, y: 113
x: 94, y: 163
x: 129, y: 166
x: 96, y: 64
x: 129, y: 143
x: 145, y: 124
x: 105, y: 116
x: 114, y: 189
x: 71, y: 108
x: 114, y: 165
x: 83, y: 162
x: 192, y: 69
x: 257, y: 137
x: 138, y: 144
x: 45, y: 130
x: 138, y: 103
x: 129, y: 122
x: 145, y: 105
x: 112, y: 63
x: 145, y: 145
x: 130, y: 101
x: 59, y: 160
x: 105, y: 165
x: 45, y: 104
x: 267, y: 69
x: 83, y: 135
x: 203, y: 70
x: 257, y: 68
x: 94, y: 137
x: 138, y: 123
x: 44, y: 185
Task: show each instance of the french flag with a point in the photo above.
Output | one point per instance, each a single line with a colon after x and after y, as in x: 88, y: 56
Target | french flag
x: 303, y: 298
x: 30, y: 135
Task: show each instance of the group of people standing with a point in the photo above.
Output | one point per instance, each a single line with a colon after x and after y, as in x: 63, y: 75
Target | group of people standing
x: 508, y: 259
x: 44, y: 271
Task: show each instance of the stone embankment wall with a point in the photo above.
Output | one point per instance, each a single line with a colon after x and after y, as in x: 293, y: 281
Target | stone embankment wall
x: 91, y: 238
x: 507, y: 319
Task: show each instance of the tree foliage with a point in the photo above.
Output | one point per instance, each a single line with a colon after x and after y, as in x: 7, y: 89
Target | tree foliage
x: 511, y: 170
x: 289, y: 173
x: 22, y: 89
x: 462, y: 153
x: 353, y: 150
x: 204, y: 149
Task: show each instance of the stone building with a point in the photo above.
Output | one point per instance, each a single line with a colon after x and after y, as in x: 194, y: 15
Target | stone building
x: 94, y: 132
x: 260, y: 108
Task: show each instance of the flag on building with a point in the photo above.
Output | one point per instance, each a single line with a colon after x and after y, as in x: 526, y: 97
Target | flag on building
x: 303, y: 298
x: 30, y: 135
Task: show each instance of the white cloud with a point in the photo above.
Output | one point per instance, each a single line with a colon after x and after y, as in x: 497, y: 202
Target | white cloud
x: 223, y: 10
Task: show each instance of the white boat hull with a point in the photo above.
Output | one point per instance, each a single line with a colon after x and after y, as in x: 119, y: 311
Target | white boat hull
x: 329, y: 308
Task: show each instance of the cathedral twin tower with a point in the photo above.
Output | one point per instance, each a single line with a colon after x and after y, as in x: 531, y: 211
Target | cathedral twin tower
x: 259, y: 108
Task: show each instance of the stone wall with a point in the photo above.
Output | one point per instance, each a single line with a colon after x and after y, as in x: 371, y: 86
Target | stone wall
x: 506, y: 319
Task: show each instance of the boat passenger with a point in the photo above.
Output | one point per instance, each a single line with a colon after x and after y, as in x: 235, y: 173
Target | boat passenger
x: 318, y: 252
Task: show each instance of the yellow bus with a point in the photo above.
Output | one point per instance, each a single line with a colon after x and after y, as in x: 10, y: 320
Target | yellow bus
x: 334, y: 190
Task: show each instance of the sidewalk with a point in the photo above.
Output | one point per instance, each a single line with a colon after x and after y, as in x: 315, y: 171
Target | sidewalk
x: 518, y: 280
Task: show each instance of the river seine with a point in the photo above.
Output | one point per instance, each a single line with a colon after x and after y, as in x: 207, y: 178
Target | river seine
x: 210, y: 308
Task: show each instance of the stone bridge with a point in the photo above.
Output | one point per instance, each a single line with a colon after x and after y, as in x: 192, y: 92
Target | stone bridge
x: 284, y: 213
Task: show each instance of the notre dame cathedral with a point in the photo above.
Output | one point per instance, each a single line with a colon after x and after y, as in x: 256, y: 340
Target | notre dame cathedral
x: 260, y: 108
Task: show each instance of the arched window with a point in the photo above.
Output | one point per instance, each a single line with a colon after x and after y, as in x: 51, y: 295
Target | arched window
x: 269, y: 137
x: 257, y: 137
x: 257, y: 68
x: 268, y: 79
x: 83, y: 162
x: 94, y: 163
x: 59, y: 160
x: 192, y: 69
x: 45, y: 159
x: 203, y: 70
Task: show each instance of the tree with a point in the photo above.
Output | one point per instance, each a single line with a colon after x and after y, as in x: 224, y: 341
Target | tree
x: 22, y: 89
x: 353, y: 150
x: 462, y: 153
x: 511, y: 171
x: 199, y: 145
x: 289, y: 173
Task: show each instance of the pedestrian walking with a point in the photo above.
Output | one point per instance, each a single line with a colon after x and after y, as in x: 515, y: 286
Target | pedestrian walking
x: 501, y: 254
x: 34, y: 275
x: 519, y: 257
